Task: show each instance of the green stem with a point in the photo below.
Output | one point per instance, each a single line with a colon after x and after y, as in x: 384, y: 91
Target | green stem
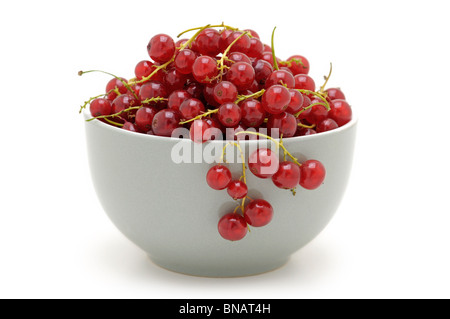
x: 275, y: 63
x: 121, y: 80
x: 210, y: 26
x: 225, y: 53
x: 200, y: 116
x: 255, y: 95
x: 319, y: 95
x: 89, y: 101
x: 322, y: 88
x: 116, y: 114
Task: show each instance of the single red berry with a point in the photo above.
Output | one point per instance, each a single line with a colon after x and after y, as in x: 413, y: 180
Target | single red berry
x: 296, y: 102
x: 335, y: 94
x: 263, y: 163
x: 208, y: 95
x: 340, y: 111
x: 297, y: 67
x: 115, y: 84
x: 223, y: 39
x: 144, y: 118
x: 165, y: 122
x: 241, y: 74
x: 229, y: 114
x: 287, y: 176
x: 123, y: 102
x: 317, y: 113
x: 326, y: 125
x: 237, y: 189
x: 161, y: 48
x: 184, y: 61
x: 225, y: 92
x: 267, y: 56
x: 267, y: 48
x: 191, y: 108
x: 312, y: 174
x: 306, y: 102
x: 253, y: 33
x: 174, y: 80
x: 204, y: 69
x: 143, y: 69
x: 232, y: 227
x: 207, y: 42
x: 241, y: 45
x: 281, y: 77
x: 199, y: 131
x: 218, y: 177
x: 128, y: 126
x: 276, y: 99
x: 258, y: 213
x: 100, y: 107
x: 285, y: 123
x: 252, y: 112
x: 303, y: 131
x: 176, y: 98
x: 195, y: 89
x: 179, y: 43
x: 151, y: 90
x: 256, y: 48
x: 263, y: 70
x: 235, y: 57
x: 304, y: 82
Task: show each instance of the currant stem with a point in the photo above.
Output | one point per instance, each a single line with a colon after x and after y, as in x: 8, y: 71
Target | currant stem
x: 125, y: 83
x: 89, y: 102
x: 115, y: 114
x: 225, y: 53
x: 322, y: 88
x: 198, y: 117
x: 210, y: 26
x: 113, y: 123
x: 307, y: 108
x: 306, y: 126
x: 288, y: 63
x: 275, y: 63
x: 279, y: 144
x: 250, y: 96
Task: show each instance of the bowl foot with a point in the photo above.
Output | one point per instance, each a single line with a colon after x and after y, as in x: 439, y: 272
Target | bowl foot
x: 220, y: 271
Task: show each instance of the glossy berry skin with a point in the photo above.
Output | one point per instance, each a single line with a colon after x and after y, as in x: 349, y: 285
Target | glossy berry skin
x: 302, y: 131
x: 184, y: 61
x: 225, y: 92
x: 326, y: 125
x: 232, y: 227
x: 143, y: 69
x: 153, y: 89
x: 306, y: 103
x: 317, y: 113
x: 287, y: 176
x: 263, y: 163
x: 296, y: 102
x: 115, y: 83
x: 165, y: 121
x: 204, y: 69
x: 176, y: 98
x: 285, y: 123
x: 123, y: 102
x: 256, y: 48
x: 340, y: 111
x: 161, y: 48
x: 304, y: 82
x: 281, y: 77
x: 100, y: 107
x: 223, y: 39
x: 198, y: 131
x: 144, y: 118
x: 263, y: 70
x: 258, y: 213
x: 191, y: 108
x: 242, y: 45
x: 267, y: 56
x: 253, y: 33
x: 229, y: 114
x: 208, y: 95
x: 174, y: 80
x: 237, y: 57
x: 252, y: 112
x: 312, y: 174
x: 241, y: 74
x: 207, y: 42
x: 218, y: 177
x: 128, y: 126
x: 237, y: 189
x: 276, y: 99
x: 194, y: 89
x: 298, y: 68
x: 335, y: 94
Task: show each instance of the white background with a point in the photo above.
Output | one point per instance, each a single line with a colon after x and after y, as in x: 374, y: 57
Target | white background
x: 390, y: 237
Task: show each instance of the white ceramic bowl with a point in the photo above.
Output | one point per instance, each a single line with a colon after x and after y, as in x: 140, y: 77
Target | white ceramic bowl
x: 170, y: 212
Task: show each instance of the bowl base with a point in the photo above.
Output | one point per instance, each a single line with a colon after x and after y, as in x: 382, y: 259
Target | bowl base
x: 220, y: 271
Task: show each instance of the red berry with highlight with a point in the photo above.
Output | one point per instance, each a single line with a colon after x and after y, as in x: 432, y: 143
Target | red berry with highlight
x: 218, y: 177
x: 237, y: 189
x: 258, y: 213
x: 287, y: 176
x: 276, y: 99
x: 312, y: 174
x: 232, y: 227
x: 340, y: 111
x: 229, y: 114
x: 263, y: 163
x: 161, y: 48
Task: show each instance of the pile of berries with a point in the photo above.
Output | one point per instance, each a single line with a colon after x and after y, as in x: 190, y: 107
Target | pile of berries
x: 221, y: 78
x: 225, y: 83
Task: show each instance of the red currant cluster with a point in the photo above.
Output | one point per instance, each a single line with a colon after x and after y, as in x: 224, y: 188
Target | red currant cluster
x: 220, y: 78
x: 263, y: 163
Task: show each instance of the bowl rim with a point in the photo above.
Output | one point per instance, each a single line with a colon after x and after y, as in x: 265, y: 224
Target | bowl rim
x: 87, y: 115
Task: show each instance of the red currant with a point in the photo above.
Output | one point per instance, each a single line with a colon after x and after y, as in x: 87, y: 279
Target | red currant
x: 296, y: 102
x: 281, y: 77
x: 297, y: 67
x: 204, y: 69
x: 184, y: 61
x: 218, y: 177
x: 237, y: 189
x: 256, y: 48
x: 263, y: 163
x: 234, y: 57
x: 258, y: 213
x: 304, y: 82
x: 287, y: 176
x: 207, y: 42
x: 101, y: 107
x: 232, y: 227
x: 143, y: 69
x: 176, y: 98
x: 241, y: 45
x: 335, y: 94
x: 241, y: 74
x: 326, y: 125
x: 303, y: 131
x: 123, y: 102
x: 253, y: 113
x: 153, y: 89
x: 161, y: 48
x: 285, y: 123
x: 229, y: 114
x: 317, y: 113
x: 115, y: 84
x: 312, y: 174
x: 128, y: 126
x: 199, y: 131
x: 263, y: 70
x: 165, y: 122
x: 144, y: 118
x: 225, y: 92
x: 174, y: 80
x: 191, y: 108
x: 340, y: 111
x: 276, y: 99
